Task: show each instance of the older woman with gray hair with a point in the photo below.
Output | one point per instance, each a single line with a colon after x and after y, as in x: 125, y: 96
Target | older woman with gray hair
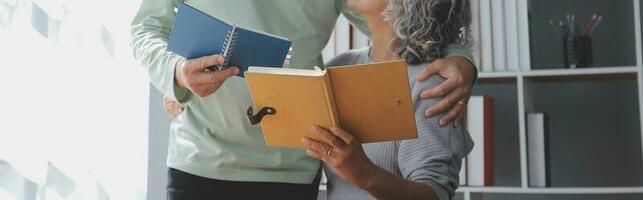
x: 423, y: 168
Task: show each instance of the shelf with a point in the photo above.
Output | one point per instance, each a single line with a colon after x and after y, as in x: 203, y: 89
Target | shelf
x: 580, y: 134
x: 581, y: 71
x: 629, y: 70
x: 506, y: 141
x: 554, y: 190
x: 497, y: 75
x: 550, y: 190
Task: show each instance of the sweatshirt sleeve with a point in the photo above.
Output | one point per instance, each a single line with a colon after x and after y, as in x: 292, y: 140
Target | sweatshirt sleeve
x: 150, y: 31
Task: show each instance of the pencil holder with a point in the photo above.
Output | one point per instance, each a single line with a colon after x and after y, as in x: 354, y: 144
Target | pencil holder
x: 577, y: 51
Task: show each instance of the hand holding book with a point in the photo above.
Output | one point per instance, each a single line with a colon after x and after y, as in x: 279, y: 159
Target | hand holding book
x: 341, y: 151
x: 192, y: 74
x: 345, y: 154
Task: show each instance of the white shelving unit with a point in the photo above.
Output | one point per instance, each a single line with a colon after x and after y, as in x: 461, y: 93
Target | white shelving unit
x: 639, y: 58
x: 523, y: 78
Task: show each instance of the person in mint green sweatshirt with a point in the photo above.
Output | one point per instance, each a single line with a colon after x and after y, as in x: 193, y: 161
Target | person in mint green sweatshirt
x: 214, y: 152
x: 419, y: 31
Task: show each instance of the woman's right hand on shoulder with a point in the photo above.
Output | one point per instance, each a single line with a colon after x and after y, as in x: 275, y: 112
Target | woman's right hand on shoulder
x: 192, y: 74
x: 172, y: 108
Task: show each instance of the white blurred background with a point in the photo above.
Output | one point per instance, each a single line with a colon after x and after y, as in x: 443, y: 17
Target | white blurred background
x: 74, y: 103
x: 78, y: 118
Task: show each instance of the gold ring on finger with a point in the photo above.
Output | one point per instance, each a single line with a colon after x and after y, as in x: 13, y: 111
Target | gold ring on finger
x: 329, y: 152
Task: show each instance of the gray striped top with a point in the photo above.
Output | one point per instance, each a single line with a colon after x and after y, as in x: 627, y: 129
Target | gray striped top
x: 434, y: 158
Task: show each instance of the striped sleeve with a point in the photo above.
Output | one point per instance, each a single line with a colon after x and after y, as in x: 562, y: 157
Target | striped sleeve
x: 434, y: 158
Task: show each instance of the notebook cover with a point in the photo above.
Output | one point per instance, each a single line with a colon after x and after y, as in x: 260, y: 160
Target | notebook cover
x: 365, y: 98
x: 196, y: 34
x: 374, y: 101
x: 258, y: 49
x: 299, y: 101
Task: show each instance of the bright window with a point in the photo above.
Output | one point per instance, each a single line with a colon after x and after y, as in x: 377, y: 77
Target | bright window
x: 74, y: 119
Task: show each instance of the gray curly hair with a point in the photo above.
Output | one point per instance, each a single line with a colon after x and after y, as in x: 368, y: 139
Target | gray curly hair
x: 424, y: 28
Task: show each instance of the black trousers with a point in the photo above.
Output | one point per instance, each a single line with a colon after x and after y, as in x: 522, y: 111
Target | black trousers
x: 185, y: 186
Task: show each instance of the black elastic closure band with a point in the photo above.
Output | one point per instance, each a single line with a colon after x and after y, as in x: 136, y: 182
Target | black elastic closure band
x: 256, y: 119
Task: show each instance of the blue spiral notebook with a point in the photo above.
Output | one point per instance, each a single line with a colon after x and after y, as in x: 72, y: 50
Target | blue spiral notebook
x: 196, y: 34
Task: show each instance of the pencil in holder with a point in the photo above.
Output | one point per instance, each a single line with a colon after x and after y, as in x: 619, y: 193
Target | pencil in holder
x: 577, y: 51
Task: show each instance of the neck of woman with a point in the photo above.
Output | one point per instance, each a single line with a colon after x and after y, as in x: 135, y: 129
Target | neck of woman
x: 384, y: 39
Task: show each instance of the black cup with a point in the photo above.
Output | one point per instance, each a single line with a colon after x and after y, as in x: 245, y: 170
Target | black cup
x: 578, y: 52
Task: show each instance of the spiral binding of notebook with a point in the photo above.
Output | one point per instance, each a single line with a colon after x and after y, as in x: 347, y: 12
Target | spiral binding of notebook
x: 228, y: 47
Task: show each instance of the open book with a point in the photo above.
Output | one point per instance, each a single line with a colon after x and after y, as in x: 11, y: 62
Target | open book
x: 371, y: 101
x: 196, y: 34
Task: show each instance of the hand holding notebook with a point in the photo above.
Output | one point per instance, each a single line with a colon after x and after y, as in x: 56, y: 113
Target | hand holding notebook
x: 196, y: 34
x: 191, y: 74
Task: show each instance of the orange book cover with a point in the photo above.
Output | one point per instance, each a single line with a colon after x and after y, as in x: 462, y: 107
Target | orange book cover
x: 371, y: 101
